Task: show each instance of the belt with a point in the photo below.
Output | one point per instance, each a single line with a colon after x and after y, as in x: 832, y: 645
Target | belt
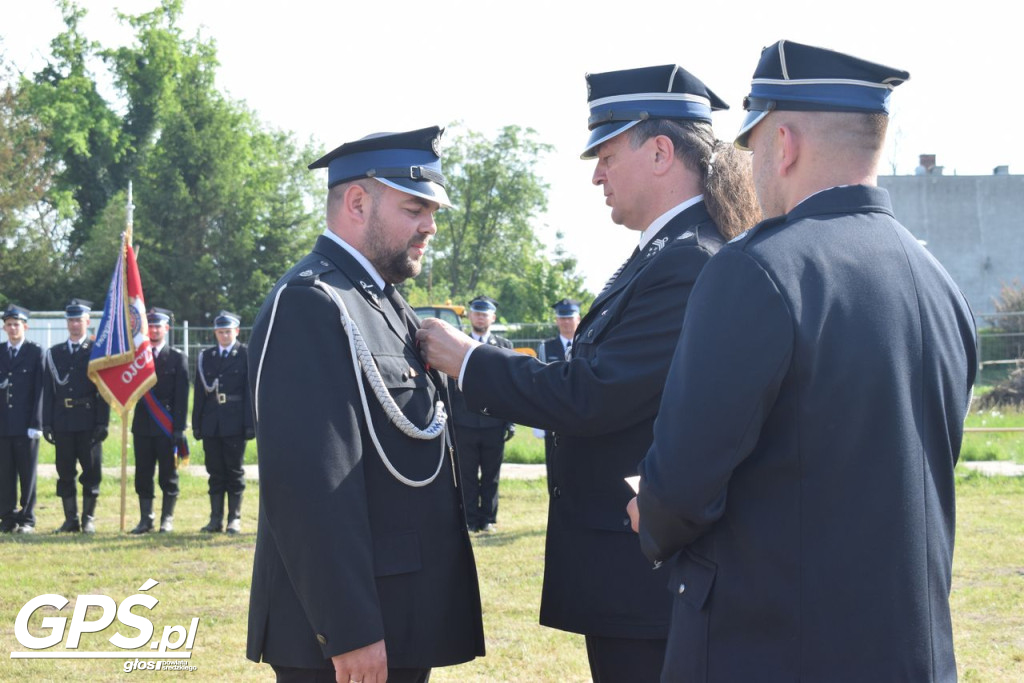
x: 227, y: 398
x: 73, y: 402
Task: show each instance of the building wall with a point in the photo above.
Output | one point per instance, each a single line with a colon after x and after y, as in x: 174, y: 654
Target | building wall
x: 974, y: 225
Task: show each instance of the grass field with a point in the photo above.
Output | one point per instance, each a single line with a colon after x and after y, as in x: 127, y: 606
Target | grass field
x: 207, y: 576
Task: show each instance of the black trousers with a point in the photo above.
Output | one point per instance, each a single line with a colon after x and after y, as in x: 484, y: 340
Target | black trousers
x: 19, y: 456
x: 480, y: 454
x: 73, y: 448
x: 151, y: 451
x: 291, y: 674
x: 613, y: 660
x: 225, y: 457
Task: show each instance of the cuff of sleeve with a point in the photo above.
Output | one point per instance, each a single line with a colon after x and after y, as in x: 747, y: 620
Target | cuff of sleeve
x: 465, y: 362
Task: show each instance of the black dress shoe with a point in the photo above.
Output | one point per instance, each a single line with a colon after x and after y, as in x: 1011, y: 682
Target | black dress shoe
x: 8, y: 526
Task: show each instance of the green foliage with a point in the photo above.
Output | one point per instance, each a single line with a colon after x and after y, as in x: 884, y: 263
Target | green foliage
x: 221, y: 202
x: 487, y: 244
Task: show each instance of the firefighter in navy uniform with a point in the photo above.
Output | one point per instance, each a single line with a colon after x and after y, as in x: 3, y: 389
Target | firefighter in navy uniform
x: 666, y: 176
x: 158, y: 429
x: 481, y: 438
x: 21, y: 396
x: 363, y: 567
x: 222, y: 420
x: 75, y: 419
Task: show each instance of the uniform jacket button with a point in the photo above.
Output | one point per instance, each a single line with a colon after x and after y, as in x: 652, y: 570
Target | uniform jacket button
x: 682, y: 588
x: 556, y: 492
x: 322, y: 639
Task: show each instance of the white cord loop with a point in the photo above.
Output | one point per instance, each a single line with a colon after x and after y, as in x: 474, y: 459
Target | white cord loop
x: 363, y: 363
x: 61, y: 381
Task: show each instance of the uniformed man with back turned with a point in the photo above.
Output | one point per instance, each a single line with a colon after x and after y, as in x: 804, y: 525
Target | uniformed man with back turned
x: 75, y: 419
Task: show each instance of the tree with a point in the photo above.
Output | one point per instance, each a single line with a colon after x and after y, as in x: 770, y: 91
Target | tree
x: 487, y: 244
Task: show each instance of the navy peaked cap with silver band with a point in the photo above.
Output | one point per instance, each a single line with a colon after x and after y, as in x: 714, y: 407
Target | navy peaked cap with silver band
x: 226, y: 319
x: 566, y: 308
x: 409, y: 162
x: 16, y: 312
x: 159, y: 316
x: 619, y: 100
x: 796, y: 77
x: 483, y: 304
x: 77, y: 308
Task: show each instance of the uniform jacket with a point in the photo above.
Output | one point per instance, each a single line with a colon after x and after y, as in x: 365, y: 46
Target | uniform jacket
x: 21, y: 389
x: 226, y: 410
x: 346, y: 554
x: 171, y: 390
x: 552, y: 350
x: 75, y: 405
x: 464, y: 417
x: 602, y: 404
x: 801, y: 478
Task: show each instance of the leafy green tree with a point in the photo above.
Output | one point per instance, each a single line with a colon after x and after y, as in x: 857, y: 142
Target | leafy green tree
x: 487, y: 244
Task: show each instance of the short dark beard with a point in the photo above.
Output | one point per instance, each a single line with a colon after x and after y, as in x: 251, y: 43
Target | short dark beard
x: 393, y: 267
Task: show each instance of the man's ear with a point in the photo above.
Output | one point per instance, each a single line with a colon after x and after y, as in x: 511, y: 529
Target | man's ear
x: 664, y: 154
x: 788, y: 141
x: 356, y: 203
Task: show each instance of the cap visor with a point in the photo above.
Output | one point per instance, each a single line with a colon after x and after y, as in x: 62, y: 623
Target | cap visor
x: 749, y: 122
x: 424, y: 189
x: 602, y: 133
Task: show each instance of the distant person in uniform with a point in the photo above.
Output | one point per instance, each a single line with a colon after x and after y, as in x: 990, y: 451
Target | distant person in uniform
x: 664, y: 175
x: 21, y: 398
x: 222, y: 420
x: 158, y: 428
x: 567, y: 318
x: 75, y: 419
x: 800, y: 485
x: 481, y: 438
x: 364, y: 567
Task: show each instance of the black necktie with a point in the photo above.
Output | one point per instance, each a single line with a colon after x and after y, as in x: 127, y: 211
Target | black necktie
x: 398, y: 303
x: 618, y: 272
x: 14, y: 352
x: 223, y: 353
x: 568, y: 348
x: 74, y: 348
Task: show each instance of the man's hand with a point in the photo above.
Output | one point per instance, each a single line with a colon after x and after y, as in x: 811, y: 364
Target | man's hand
x: 99, y: 434
x: 366, y: 665
x: 633, y: 510
x: 510, y: 431
x: 442, y: 346
x: 48, y: 433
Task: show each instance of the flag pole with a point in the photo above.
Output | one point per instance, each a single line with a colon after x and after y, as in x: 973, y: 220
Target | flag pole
x: 124, y: 413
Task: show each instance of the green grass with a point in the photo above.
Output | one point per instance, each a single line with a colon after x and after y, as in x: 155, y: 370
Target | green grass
x: 207, y: 576
x: 994, y: 445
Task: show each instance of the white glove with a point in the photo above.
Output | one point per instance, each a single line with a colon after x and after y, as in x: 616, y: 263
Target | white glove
x: 34, y: 433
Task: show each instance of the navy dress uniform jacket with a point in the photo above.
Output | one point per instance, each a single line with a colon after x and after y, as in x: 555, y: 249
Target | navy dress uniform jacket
x: 346, y: 554
x: 602, y: 405
x: 171, y: 390
x: 552, y: 350
x: 227, y: 411
x: 808, y: 509
x: 21, y: 389
x: 76, y: 405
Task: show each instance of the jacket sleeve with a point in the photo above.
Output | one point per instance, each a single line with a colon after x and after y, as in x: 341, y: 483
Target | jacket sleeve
x: 247, y: 418
x: 734, y: 352
x: 180, y: 394
x: 314, y: 495
x: 48, y: 393
x: 36, y: 416
x: 607, y: 390
x: 198, y: 400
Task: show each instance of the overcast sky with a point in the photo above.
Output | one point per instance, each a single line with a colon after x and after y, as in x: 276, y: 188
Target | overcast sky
x: 335, y: 71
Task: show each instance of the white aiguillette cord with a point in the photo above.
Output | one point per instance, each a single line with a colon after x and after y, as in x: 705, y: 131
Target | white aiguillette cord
x: 363, y: 358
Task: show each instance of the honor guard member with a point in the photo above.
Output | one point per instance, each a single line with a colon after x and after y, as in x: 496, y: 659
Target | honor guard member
x: 481, y: 438
x: 222, y: 419
x: 364, y: 568
x: 666, y: 176
x: 800, y: 485
x: 21, y: 397
x: 75, y: 419
x: 158, y: 428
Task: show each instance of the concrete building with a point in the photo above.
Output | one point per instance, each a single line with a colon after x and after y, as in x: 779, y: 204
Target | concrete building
x: 974, y: 225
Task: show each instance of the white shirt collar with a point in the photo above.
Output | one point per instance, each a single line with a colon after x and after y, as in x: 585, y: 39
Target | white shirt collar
x: 225, y: 349
x: 661, y: 221
x: 357, y: 256
x: 158, y: 349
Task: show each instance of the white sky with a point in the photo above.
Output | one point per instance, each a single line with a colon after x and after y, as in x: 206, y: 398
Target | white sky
x: 335, y: 71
